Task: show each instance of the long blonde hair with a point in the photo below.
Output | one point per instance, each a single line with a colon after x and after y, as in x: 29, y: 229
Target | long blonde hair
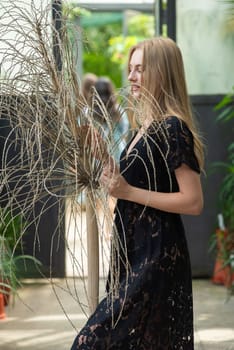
x: 164, y: 91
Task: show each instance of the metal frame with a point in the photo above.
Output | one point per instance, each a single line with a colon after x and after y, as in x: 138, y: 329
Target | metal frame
x: 164, y: 16
x: 110, y: 6
x: 167, y: 16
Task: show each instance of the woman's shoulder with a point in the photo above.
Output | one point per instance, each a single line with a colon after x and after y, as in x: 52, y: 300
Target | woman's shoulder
x: 175, y: 121
x: 170, y: 124
x: 176, y: 125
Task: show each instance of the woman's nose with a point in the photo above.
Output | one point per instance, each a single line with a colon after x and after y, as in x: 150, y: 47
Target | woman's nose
x: 131, y: 76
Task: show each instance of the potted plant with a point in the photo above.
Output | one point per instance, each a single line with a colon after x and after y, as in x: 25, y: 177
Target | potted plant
x: 11, y: 230
x: 224, y: 235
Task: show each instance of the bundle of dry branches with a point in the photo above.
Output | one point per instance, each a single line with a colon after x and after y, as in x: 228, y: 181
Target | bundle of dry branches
x: 60, y: 148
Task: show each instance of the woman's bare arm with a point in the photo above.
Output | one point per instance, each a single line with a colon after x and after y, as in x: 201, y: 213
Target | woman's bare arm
x: 188, y: 200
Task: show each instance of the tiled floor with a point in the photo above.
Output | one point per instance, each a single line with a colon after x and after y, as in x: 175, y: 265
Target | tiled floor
x: 38, y: 321
x: 214, y: 317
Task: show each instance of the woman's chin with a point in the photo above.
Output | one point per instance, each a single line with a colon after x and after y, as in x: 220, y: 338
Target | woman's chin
x: 136, y: 94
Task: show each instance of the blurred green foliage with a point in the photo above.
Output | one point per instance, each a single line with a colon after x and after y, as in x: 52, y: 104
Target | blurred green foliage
x: 226, y: 195
x: 105, y: 46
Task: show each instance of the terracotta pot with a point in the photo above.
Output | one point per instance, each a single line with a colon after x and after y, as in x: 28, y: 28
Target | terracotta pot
x: 222, y: 274
x: 2, y: 310
x: 6, y: 292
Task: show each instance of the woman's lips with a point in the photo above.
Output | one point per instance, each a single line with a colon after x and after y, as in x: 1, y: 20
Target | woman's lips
x: 135, y: 88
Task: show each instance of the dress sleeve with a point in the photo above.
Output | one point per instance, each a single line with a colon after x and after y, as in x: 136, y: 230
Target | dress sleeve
x: 180, y: 145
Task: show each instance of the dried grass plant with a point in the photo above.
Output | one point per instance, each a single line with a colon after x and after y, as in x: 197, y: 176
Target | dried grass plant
x: 59, y: 150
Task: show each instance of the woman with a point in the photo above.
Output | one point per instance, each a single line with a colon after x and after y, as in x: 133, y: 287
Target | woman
x: 158, y: 179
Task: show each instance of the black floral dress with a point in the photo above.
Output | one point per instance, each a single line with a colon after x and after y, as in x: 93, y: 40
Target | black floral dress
x: 153, y: 308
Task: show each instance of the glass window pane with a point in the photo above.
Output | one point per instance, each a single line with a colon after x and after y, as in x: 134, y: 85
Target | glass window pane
x: 207, y: 44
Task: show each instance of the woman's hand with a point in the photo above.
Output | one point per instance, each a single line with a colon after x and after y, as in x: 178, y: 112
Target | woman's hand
x: 114, y: 183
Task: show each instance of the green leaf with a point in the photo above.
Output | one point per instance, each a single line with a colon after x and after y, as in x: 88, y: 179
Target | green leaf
x: 226, y: 115
x: 227, y: 99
